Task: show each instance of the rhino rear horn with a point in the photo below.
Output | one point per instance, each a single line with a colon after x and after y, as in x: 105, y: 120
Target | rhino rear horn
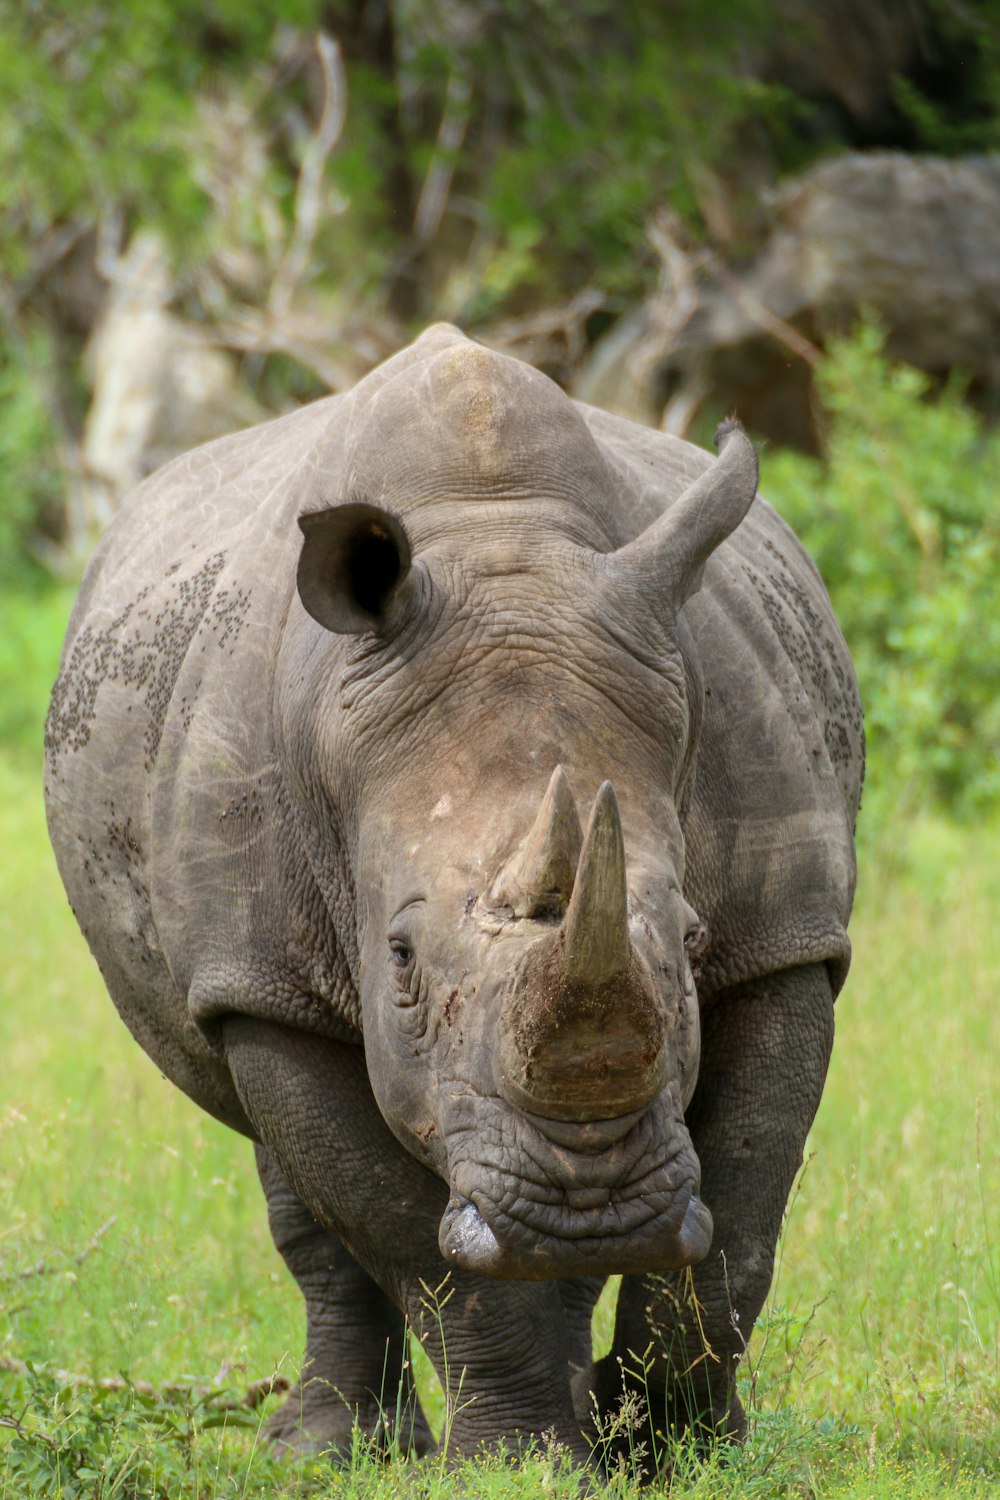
x: 538, y: 880
x: 596, y: 942
x: 669, y: 556
x: 353, y: 562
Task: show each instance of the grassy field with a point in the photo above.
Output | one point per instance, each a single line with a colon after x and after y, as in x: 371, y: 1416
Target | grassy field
x: 133, y: 1238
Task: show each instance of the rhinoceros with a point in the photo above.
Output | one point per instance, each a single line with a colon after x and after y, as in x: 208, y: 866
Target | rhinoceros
x: 456, y: 786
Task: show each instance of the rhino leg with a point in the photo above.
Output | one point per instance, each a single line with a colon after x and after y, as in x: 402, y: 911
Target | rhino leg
x: 499, y: 1347
x: 579, y: 1298
x: 765, y: 1049
x: 355, y: 1372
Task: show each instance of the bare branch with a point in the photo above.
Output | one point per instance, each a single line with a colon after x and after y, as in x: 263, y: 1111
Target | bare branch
x: 257, y: 334
x: 681, y: 264
x: 30, y: 1433
x: 536, y: 337
x: 764, y: 318
x: 56, y: 243
x: 46, y: 1268
x: 437, y: 184
x: 256, y: 1392
x: 308, y: 192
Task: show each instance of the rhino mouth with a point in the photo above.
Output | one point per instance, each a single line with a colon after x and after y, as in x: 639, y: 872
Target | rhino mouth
x: 525, y: 1206
x: 468, y: 1241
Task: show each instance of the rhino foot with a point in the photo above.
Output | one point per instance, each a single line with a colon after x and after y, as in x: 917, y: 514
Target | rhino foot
x: 315, y: 1418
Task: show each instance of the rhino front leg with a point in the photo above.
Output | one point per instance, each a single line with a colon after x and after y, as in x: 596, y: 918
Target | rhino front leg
x: 579, y: 1296
x: 499, y: 1348
x: 765, y: 1050
x: 355, y: 1371
x: 500, y: 1351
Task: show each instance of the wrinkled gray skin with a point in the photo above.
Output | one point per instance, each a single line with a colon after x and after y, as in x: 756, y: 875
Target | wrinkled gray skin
x: 316, y: 837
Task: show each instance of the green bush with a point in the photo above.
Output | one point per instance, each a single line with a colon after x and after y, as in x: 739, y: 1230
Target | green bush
x: 101, y: 108
x: 28, y: 449
x: 904, y: 523
x: 616, y: 111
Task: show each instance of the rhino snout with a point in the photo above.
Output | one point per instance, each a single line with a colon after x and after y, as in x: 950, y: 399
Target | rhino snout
x: 577, y: 1052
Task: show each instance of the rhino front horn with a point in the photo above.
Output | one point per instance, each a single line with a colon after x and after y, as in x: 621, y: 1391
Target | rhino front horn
x: 596, y: 942
x: 538, y: 880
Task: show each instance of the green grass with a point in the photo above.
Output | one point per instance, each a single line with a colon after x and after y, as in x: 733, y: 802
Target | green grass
x: 133, y: 1237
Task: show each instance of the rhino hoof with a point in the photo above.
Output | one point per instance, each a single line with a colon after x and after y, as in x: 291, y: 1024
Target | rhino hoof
x: 310, y: 1423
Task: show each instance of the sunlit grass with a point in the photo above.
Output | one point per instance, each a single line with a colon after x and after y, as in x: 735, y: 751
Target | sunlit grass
x: 896, y: 1231
x: 186, y: 1278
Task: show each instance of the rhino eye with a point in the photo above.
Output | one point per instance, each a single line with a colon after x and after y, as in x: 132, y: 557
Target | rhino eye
x: 400, y: 952
x: 696, y: 940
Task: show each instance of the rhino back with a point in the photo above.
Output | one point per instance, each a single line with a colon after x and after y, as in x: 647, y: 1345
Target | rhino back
x: 770, y: 823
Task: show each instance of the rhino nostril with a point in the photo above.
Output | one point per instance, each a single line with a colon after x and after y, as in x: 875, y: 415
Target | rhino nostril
x: 464, y: 1235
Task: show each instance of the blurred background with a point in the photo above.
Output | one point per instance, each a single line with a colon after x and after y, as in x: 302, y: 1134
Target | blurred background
x: 214, y: 210
x: 211, y: 211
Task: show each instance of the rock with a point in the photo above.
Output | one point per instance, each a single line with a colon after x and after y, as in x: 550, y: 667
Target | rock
x: 910, y: 239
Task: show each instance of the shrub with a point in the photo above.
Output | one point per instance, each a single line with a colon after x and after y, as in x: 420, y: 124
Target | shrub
x: 903, y: 520
x: 28, y: 449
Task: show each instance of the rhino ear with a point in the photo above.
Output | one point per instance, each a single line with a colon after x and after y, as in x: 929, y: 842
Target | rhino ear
x: 670, y: 555
x: 354, y: 559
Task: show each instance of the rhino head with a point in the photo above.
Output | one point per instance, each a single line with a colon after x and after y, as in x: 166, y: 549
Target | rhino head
x: 508, y: 732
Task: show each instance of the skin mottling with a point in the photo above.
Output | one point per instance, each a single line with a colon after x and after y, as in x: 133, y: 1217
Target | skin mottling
x: 144, y: 646
x: 339, y: 891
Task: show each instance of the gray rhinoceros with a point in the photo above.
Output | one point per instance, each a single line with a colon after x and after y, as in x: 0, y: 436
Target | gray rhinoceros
x: 412, y: 758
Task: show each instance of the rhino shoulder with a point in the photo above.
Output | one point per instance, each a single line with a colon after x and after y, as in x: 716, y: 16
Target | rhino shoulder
x: 772, y: 807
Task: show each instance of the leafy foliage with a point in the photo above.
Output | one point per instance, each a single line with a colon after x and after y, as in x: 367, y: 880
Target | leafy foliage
x: 575, y: 119
x: 610, y: 112
x: 494, y: 156
x: 76, y: 1441
x: 902, y: 519
x: 491, y: 157
x: 101, y: 105
x: 28, y: 457
x: 961, y: 113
